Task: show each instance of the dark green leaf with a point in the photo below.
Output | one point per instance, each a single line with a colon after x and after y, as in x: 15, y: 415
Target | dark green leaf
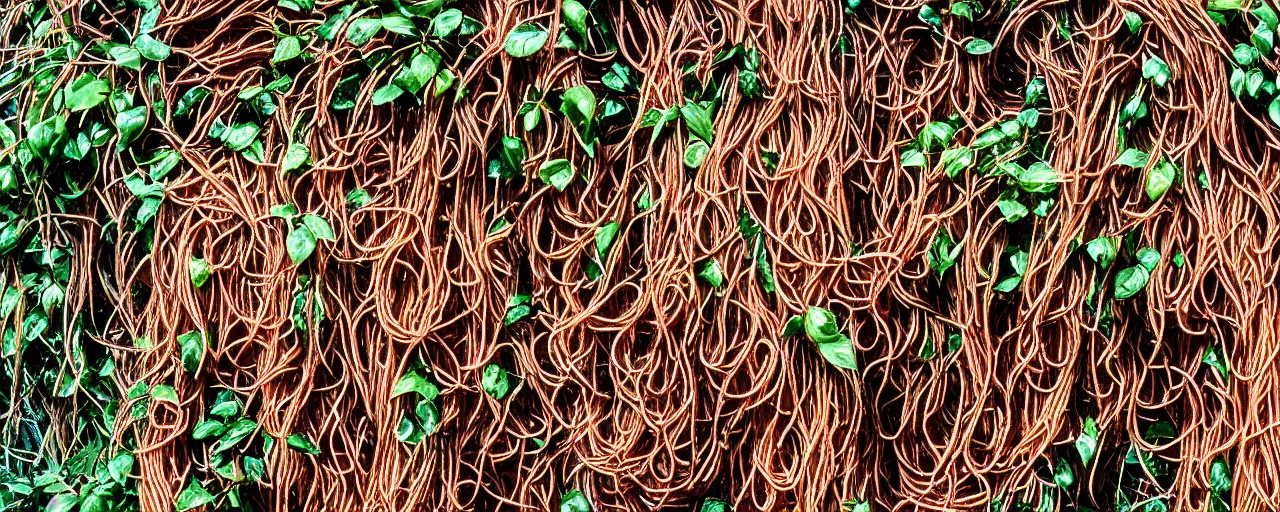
x: 361, y: 30
x: 575, y: 17
x: 698, y: 119
x: 191, y: 345
x: 329, y: 29
x: 85, y: 92
x: 574, y: 501
x: 130, y: 124
x: 287, y: 48
x: 447, y: 23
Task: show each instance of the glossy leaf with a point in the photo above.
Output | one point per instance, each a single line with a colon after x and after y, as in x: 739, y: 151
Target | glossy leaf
x: 525, y: 40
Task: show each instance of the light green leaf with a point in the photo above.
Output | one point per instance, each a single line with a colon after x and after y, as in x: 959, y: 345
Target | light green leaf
x: 200, y: 272
x: 85, y: 92
x: 525, y: 40
x: 300, y: 244
x: 1130, y: 281
x: 1133, y: 21
x: 1155, y: 69
x: 519, y: 306
x: 151, y: 48
x: 1133, y: 158
x: 165, y: 393
x: 296, y: 156
x: 1102, y: 250
x: 575, y: 17
x: 386, y: 94
x: 446, y: 23
x: 1062, y: 475
x: 194, y: 496
x: 287, y: 48
x: 397, y: 24
x: 574, y: 501
x: 1161, y: 177
x: 414, y: 382
x: 319, y: 227
x: 695, y: 154
x: 1087, y: 443
x: 557, y: 173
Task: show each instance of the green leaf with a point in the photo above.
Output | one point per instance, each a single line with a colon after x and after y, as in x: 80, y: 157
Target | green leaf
x: 578, y: 103
x: 151, y: 48
x: 446, y: 23
x: 208, y: 429
x: 1214, y: 357
x: 194, y: 496
x: 414, y: 382
x: 398, y: 24
x: 927, y: 350
x: 1062, y: 474
x: 519, y: 307
x: 1133, y: 158
x: 191, y: 345
x: 283, y: 210
x: 1087, y: 443
x: 1011, y: 209
x: 444, y: 80
x: 943, y: 253
x: 936, y: 136
x: 1155, y: 69
x: 1179, y: 260
x: 1264, y: 39
x: 821, y: 328
x: 1273, y: 110
x: 1245, y: 54
x: 912, y: 157
x: 557, y: 173
x: 930, y: 16
x: 1225, y: 5
x: 357, y: 198
x: 242, y: 135
x: 254, y: 468
x: 955, y: 160
x: 794, y: 326
x: 190, y: 99
x: 297, y: 5
x: 120, y: 466
x: 165, y: 393
x: 715, y: 505
x: 1102, y: 250
x: 605, y: 236
x: 1131, y: 280
x: 619, y: 78
x: 287, y: 48
x: 1219, y: 476
x: 319, y: 227
x: 429, y: 415
x: 386, y: 94
x: 711, y: 274
x: 1135, y: 109
x: 695, y: 154
x: 1266, y: 14
x: 698, y: 120
x: 977, y: 46
x: 954, y: 342
x: 1148, y: 258
x: 130, y: 124
x: 525, y: 40
x: 302, y: 443
x: 1036, y: 90
x: 1160, y: 178
x: 495, y: 381
x: 126, y: 57
x: 300, y: 244
x: 296, y: 156
x: 1038, y: 178
x: 1133, y: 21
x: 1160, y: 430
x: 418, y: 72
x: 574, y: 501
x: 85, y: 92
x: 200, y: 272
x: 361, y: 30
x: 574, y: 16
x: 65, y: 502
x: 329, y: 29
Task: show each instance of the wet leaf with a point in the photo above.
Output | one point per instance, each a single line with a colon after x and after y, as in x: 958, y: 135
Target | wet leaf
x: 191, y: 345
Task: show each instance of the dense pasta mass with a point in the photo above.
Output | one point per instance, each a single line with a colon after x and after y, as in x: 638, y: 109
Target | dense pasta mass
x: 632, y: 255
